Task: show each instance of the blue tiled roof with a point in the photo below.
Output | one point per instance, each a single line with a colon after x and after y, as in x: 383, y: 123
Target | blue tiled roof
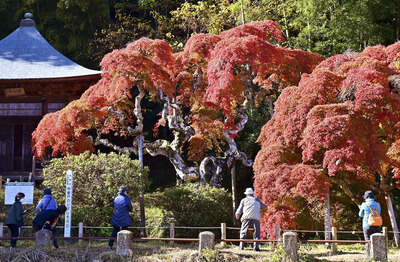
x: 25, y: 54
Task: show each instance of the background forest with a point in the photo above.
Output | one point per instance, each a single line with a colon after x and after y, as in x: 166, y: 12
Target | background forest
x: 85, y: 31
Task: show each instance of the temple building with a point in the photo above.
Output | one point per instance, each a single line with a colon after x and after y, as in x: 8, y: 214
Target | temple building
x: 35, y: 79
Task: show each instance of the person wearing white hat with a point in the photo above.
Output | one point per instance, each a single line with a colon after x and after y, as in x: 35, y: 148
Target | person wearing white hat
x: 250, y: 207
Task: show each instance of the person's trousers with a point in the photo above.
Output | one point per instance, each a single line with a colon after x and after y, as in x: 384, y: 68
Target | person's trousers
x: 257, y: 231
x: 368, y: 231
x: 14, y: 229
x: 55, y: 234
x: 114, y: 234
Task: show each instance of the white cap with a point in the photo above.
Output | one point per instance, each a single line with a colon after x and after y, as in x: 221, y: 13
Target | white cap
x: 249, y: 191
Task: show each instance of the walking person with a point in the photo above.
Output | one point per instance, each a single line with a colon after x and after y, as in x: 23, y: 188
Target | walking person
x: 48, y: 220
x: 365, y: 209
x: 47, y: 202
x: 15, y: 218
x: 249, y: 208
x: 120, y: 219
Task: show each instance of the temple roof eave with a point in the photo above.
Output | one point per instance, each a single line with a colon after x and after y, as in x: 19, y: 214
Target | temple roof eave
x: 55, y: 79
x: 26, y: 55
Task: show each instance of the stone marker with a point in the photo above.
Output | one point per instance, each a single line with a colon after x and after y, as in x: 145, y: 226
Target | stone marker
x: 206, y: 240
x: 124, y: 242
x: 290, y: 245
x: 43, y: 238
x: 378, y: 247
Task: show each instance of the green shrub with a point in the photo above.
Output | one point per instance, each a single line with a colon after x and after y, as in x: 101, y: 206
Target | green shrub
x: 210, y: 255
x: 97, y: 178
x: 194, y: 205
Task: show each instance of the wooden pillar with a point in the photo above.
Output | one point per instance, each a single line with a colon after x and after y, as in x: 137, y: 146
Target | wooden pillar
x: 334, y: 237
x: 223, y: 234
x: 385, y: 232
x: 80, y: 233
x: 171, y: 231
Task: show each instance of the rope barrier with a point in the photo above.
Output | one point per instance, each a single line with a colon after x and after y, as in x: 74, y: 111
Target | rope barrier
x: 191, y: 239
x: 200, y: 227
x: 336, y: 241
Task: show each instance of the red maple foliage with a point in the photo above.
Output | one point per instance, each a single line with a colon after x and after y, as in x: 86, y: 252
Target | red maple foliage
x: 339, y: 125
x: 228, y: 71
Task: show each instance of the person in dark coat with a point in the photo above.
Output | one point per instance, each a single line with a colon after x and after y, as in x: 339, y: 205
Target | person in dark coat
x: 48, y: 220
x: 15, y: 218
x: 120, y: 219
x: 365, y: 209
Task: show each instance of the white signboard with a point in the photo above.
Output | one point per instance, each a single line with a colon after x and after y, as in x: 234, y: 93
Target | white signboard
x: 68, y: 203
x: 13, y: 188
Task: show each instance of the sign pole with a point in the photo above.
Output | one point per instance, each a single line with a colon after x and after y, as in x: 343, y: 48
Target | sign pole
x: 68, y: 204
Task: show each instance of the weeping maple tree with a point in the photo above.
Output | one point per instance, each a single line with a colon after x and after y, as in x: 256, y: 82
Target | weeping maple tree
x: 340, y: 125
x: 204, y: 92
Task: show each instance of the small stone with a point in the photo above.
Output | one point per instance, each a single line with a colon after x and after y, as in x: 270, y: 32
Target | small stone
x: 124, y: 243
x: 206, y: 240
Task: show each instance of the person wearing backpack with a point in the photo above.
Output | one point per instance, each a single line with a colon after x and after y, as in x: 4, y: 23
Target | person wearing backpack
x: 370, y: 212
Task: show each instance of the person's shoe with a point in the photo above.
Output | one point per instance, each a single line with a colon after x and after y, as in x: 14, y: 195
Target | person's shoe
x: 241, y: 247
x: 55, y: 246
x: 257, y: 249
x: 109, y: 247
x: 13, y: 248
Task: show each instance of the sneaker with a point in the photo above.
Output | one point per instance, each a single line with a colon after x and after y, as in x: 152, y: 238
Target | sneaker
x: 109, y: 247
x: 241, y: 247
x: 257, y: 249
x: 13, y: 248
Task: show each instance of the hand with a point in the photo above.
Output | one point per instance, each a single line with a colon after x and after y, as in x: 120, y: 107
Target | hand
x: 237, y: 217
x: 359, y: 206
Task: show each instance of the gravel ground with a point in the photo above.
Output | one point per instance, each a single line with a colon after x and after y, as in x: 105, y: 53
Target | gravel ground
x: 156, y: 251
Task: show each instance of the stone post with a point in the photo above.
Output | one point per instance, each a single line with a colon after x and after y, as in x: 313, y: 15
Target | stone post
x: 206, y: 240
x: 124, y: 242
x: 223, y: 234
x: 378, y: 247
x: 43, y: 238
x: 290, y: 245
x: 1, y: 229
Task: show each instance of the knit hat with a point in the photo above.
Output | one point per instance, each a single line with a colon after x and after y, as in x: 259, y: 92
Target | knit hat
x: 369, y: 194
x: 249, y: 191
x: 122, y: 189
x: 47, y: 191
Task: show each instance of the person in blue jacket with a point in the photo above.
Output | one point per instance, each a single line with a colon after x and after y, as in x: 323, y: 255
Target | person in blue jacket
x: 120, y: 219
x: 47, y: 202
x: 365, y: 209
